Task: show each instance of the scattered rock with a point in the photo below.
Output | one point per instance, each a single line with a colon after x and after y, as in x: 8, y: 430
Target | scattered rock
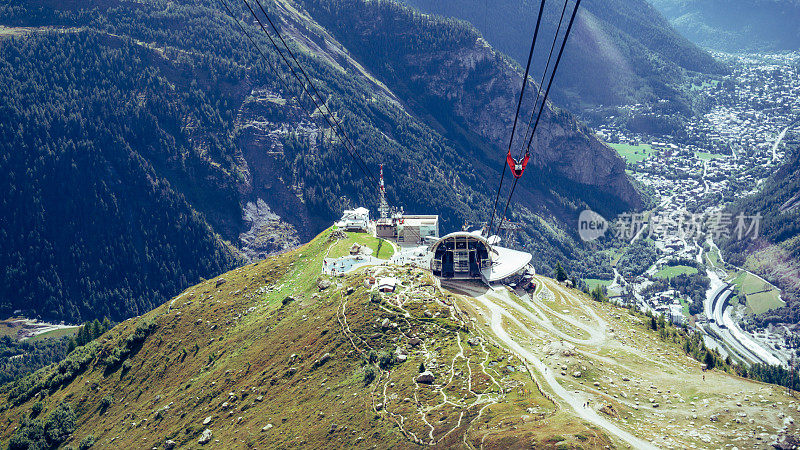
x: 205, y: 438
x: 609, y: 410
x: 414, y: 341
x: 385, y: 324
x: 473, y: 341
x: 267, y: 427
x: 576, y: 374
x: 325, y: 358
x: 207, y: 420
x: 425, y: 377
x: 786, y: 442
x: 170, y: 444
x: 323, y: 284
x: 260, y: 398
x: 220, y: 282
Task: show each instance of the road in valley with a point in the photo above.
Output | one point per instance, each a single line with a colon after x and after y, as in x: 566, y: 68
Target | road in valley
x: 777, y: 143
x: 717, y: 309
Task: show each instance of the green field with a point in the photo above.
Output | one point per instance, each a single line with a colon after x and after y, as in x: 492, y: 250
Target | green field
x: 764, y: 301
x: 633, y: 153
x: 704, y: 85
x: 761, y: 296
x: 674, y: 271
x: 380, y: 248
x: 592, y: 283
x: 685, y: 307
x: 54, y: 334
x: 713, y: 257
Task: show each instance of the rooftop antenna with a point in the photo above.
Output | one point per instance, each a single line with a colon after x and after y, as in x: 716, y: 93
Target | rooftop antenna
x: 383, y: 209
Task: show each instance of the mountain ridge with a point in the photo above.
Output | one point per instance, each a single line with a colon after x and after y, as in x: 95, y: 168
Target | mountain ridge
x: 275, y: 354
x: 622, y: 52
x: 230, y: 138
x: 736, y: 26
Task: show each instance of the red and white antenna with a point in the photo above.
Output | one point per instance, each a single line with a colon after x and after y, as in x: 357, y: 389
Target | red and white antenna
x: 383, y: 209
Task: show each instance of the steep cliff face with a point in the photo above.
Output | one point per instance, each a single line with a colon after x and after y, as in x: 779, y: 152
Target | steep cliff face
x: 470, y: 91
x: 481, y: 87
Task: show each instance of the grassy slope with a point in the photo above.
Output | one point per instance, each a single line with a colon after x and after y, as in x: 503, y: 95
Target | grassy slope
x: 380, y: 248
x: 238, y: 343
x: 212, y: 343
x: 657, y: 392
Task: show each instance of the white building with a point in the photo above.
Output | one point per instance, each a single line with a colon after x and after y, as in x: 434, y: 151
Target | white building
x: 354, y: 220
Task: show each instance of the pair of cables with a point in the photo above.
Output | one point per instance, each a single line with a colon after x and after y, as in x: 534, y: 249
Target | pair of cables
x: 517, y: 166
x: 305, y: 81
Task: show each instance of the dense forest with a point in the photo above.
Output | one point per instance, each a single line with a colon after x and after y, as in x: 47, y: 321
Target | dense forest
x: 18, y: 358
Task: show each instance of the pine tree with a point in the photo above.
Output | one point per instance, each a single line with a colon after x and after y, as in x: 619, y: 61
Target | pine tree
x: 96, y: 330
x: 106, y: 324
x: 83, y: 337
x: 560, y: 273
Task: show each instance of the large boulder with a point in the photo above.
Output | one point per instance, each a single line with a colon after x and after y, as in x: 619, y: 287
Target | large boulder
x: 205, y: 438
x: 425, y: 377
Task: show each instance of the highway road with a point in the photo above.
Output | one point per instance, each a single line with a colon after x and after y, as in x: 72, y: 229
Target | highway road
x: 735, y: 340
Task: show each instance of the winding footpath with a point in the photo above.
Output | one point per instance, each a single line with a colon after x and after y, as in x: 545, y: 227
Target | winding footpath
x: 588, y: 414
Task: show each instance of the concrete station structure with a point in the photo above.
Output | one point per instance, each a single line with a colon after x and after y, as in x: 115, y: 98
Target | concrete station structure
x: 463, y: 255
x: 470, y: 256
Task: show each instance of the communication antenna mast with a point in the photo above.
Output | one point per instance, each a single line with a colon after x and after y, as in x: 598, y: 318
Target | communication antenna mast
x: 383, y: 209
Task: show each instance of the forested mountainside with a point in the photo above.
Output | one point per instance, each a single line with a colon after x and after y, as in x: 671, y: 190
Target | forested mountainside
x: 620, y: 52
x: 775, y: 254
x: 104, y: 177
x: 153, y: 146
x: 736, y: 25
